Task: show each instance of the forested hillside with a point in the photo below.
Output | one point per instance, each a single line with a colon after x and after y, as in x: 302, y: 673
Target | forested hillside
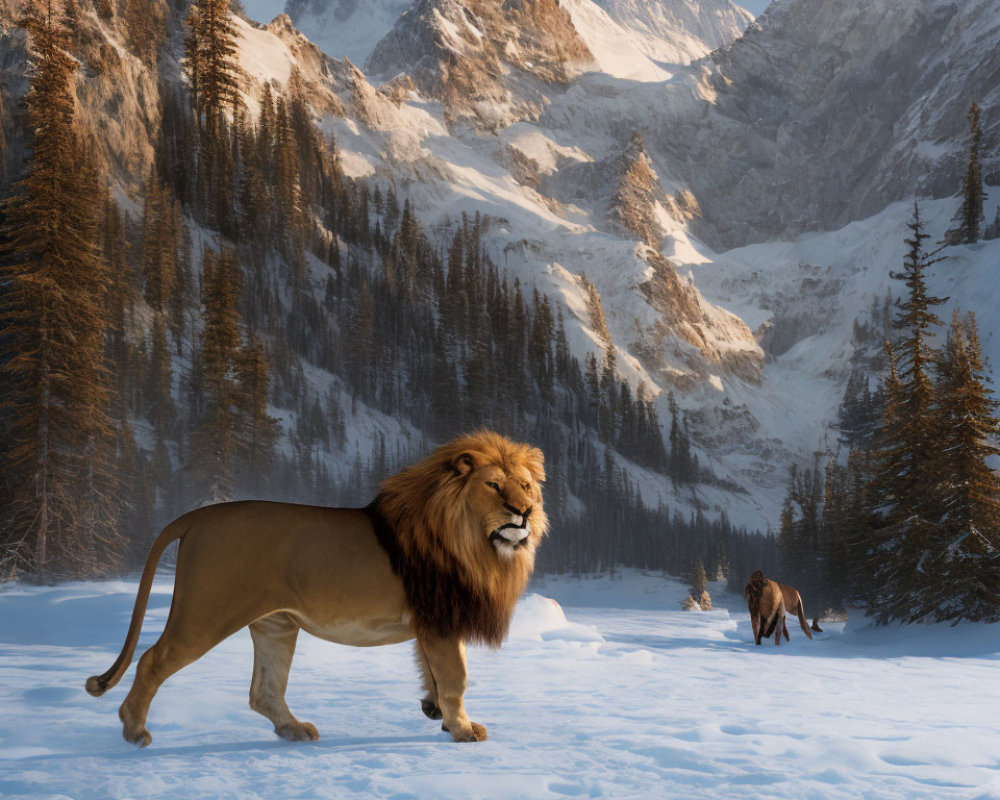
x: 250, y: 322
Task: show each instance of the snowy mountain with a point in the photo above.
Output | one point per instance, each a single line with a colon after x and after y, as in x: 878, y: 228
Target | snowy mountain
x: 832, y: 110
x: 346, y: 28
x: 820, y: 115
x: 679, y: 31
x: 639, y: 38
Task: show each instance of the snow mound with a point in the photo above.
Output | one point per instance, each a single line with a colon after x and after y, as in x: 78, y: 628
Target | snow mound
x: 542, y: 618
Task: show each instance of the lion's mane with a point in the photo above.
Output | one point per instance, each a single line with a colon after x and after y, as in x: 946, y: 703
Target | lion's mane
x: 754, y: 590
x: 455, y: 583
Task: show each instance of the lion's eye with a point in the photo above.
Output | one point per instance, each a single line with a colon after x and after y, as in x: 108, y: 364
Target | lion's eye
x: 525, y: 486
x: 493, y: 485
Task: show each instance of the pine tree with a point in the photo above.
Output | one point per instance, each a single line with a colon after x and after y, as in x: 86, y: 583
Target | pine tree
x: 261, y: 429
x: 698, y: 578
x: 60, y: 504
x: 908, y: 505
x: 3, y: 143
x: 216, y: 440
x: 968, y: 556
x: 970, y: 214
x: 210, y: 61
x: 992, y: 230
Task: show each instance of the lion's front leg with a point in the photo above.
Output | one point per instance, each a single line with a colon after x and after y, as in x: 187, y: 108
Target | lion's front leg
x: 446, y: 663
x: 429, y: 703
x: 273, y: 647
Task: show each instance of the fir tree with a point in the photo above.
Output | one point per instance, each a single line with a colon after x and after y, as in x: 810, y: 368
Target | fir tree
x: 970, y: 214
x: 908, y: 506
x: 216, y: 440
x: 210, y: 61
x: 967, y: 559
x: 261, y: 429
x: 60, y: 504
x: 3, y: 142
x: 698, y: 578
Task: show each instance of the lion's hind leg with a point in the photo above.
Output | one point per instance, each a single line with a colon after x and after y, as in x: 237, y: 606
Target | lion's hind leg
x: 429, y: 703
x: 170, y: 653
x: 274, y: 639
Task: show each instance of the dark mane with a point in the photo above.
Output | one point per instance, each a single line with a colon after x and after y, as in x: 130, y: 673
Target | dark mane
x: 444, y: 599
x: 754, y: 590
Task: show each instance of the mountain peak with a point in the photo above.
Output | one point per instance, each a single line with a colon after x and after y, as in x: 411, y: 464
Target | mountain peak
x: 471, y: 53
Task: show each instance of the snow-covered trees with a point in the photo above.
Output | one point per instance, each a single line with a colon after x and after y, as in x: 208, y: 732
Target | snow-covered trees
x: 911, y: 524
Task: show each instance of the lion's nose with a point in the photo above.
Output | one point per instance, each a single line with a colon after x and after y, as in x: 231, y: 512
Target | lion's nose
x: 515, y: 510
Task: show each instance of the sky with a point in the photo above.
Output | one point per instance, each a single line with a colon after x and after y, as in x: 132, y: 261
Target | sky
x: 266, y: 10
x: 755, y: 7
x: 263, y: 10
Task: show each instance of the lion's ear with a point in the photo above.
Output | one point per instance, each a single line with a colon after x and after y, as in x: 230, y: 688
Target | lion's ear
x: 536, y: 464
x: 463, y: 464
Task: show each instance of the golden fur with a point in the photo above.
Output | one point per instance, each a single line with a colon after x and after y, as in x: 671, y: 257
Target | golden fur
x: 793, y: 605
x: 766, y: 606
x: 440, y: 556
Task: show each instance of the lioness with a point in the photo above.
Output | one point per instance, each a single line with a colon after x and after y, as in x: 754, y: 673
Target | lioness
x: 441, y: 555
x: 793, y: 603
x: 767, y: 607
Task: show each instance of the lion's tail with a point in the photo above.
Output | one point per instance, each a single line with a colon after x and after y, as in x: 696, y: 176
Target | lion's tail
x: 99, y: 684
x: 803, y: 622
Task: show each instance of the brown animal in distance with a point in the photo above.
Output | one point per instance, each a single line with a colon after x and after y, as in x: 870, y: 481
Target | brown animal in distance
x: 441, y: 556
x: 793, y: 604
x: 767, y: 607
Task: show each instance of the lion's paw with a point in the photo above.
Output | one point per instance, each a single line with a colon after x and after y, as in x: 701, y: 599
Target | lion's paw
x: 142, y: 737
x: 474, y: 733
x: 297, y: 732
x: 430, y: 709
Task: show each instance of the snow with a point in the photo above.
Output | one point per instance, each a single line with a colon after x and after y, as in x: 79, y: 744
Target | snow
x: 341, y: 28
x: 263, y: 56
x: 615, y: 49
x: 617, y: 693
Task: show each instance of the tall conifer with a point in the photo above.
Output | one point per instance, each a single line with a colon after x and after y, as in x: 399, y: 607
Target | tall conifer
x: 907, y: 503
x: 60, y: 506
x: 968, y: 556
x: 970, y: 215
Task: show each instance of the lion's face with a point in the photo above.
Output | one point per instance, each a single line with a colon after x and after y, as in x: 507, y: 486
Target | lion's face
x: 503, y: 500
x: 502, y: 494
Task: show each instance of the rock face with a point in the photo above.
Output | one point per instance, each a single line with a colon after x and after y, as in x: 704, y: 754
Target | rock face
x: 637, y: 199
x: 488, y: 62
x: 825, y: 111
x: 688, y: 331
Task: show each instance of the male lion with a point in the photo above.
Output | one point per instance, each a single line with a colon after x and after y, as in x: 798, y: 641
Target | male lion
x: 441, y: 555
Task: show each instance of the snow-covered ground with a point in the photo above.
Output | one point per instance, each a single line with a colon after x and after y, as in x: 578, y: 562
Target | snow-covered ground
x: 623, y: 695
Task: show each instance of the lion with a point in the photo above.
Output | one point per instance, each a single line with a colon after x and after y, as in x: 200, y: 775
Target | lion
x: 441, y: 555
x: 793, y: 604
x: 767, y: 607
